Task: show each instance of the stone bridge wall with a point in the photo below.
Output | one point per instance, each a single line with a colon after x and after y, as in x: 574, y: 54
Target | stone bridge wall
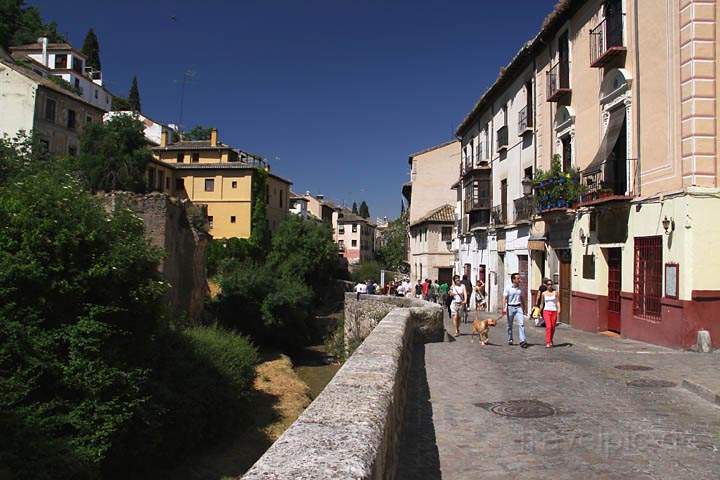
x: 352, y: 429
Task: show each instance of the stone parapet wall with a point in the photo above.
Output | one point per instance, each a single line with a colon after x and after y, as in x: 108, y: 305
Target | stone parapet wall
x: 352, y: 429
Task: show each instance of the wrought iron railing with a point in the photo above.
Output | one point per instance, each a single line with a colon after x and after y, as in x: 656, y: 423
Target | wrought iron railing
x: 558, y: 80
x: 613, y: 179
x: 502, y: 138
x: 605, y: 37
x: 525, y: 121
x: 499, y: 215
x: 524, y: 209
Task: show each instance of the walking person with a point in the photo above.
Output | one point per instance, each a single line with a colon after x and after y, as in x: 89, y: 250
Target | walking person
x: 550, y: 311
x: 468, y: 289
x: 418, y: 290
x: 458, y: 302
x: 426, y: 289
x: 514, y: 310
x: 434, y: 287
x: 360, y: 289
x: 480, y: 303
x: 536, y: 313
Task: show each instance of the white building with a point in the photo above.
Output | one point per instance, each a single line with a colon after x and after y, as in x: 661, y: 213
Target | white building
x: 497, y: 154
x: 298, y: 205
x: 64, y: 61
x: 153, y: 130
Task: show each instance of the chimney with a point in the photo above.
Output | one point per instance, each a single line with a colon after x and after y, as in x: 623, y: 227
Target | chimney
x: 213, y: 137
x: 307, y: 193
x: 43, y: 41
x: 163, y: 138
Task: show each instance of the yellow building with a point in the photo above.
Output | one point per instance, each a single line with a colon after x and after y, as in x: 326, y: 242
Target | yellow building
x: 211, y: 173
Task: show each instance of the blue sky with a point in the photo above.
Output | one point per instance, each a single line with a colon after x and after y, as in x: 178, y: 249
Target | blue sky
x: 335, y: 93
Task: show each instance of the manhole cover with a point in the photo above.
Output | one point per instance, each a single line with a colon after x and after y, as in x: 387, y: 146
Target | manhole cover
x: 634, y: 368
x: 519, y: 408
x: 650, y: 383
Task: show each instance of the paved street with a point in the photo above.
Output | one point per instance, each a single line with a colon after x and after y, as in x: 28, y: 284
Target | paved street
x: 567, y: 413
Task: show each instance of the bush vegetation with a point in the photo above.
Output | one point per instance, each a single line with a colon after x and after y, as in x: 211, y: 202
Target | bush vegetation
x: 94, y: 380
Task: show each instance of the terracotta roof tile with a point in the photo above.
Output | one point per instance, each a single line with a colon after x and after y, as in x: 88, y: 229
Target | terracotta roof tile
x: 443, y: 214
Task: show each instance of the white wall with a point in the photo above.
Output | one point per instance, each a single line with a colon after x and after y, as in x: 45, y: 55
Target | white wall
x: 17, y: 102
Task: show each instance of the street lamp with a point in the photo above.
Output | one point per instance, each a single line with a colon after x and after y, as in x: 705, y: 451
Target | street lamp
x: 527, y: 186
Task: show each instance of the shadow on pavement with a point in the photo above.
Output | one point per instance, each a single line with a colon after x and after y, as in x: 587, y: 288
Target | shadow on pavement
x: 418, y: 457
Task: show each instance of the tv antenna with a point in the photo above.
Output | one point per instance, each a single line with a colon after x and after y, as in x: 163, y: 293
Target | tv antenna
x: 188, y: 77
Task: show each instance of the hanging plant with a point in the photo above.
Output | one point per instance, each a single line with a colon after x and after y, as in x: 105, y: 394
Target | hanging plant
x: 557, y: 189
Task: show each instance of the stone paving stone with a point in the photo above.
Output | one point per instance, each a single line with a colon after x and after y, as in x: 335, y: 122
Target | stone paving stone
x: 602, y: 428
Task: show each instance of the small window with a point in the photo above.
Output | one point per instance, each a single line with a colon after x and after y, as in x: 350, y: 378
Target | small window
x: 50, y: 110
x: 72, y: 150
x: 446, y: 234
x: 45, y: 145
x: 180, y: 157
x: 589, y: 267
x: 234, y: 184
x: 354, y: 227
x: 281, y: 199
x: 179, y: 184
x: 77, y: 65
x: 354, y: 243
x: 232, y: 219
x: 60, y: 60
x: 71, y: 119
x: 77, y: 83
x: 88, y: 120
x: 195, y: 157
x: 341, y: 229
x: 209, y: 184
x: 210, y: 220
x: 96, y: 94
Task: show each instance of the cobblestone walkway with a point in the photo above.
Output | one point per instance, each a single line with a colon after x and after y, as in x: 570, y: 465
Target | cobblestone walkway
x: 565, y: 413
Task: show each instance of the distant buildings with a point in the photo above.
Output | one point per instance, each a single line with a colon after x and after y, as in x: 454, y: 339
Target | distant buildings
x: 31, y: 101
x: 355, y: 236
x: 431, y: 216
x: 153, y: 130
x: 298, y: 205
x: 224, y: 179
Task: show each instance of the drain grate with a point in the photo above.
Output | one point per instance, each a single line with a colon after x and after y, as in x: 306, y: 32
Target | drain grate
x: 519, y: 408
x: 634, y: 368
x: 651, y: 383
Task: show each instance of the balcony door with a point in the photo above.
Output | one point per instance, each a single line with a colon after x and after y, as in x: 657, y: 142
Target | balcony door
x: 614, y: 21
x: 503, y: 200
x: 564, y: 57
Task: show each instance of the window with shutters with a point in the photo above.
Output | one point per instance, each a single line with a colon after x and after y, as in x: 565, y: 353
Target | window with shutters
x: 647, y: 277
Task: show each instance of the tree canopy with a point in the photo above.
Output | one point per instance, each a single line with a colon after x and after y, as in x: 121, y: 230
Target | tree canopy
x: 355, y: 208
x: 393, y: 252
x: 134, y: 96
x: 91, y: 49
x: 364, y: 211
x: 20, y: 24
x: 198, y: 132
x: 114, y: 154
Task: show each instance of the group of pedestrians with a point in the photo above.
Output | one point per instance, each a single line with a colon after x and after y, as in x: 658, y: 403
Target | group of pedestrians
x: 461, y: 297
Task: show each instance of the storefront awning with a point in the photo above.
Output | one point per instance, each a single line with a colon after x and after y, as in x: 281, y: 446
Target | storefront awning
x: 615, y: 124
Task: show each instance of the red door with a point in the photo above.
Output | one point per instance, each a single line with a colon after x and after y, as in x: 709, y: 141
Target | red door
x: 614, y: 284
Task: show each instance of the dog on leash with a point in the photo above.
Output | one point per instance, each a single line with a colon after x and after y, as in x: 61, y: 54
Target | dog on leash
x: 482, y: 329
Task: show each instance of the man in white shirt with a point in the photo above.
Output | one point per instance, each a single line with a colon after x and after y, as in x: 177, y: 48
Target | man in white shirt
x: 513, y: 307
x: 360, y: 288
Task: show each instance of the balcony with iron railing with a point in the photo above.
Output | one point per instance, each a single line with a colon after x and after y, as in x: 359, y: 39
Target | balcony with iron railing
x: 499, y: 215
x: 524, y: 209
x: 502, y: 139
x: 478, y: 219
x: 525, y: 121
x: 613, y: 181
x: 606, y: 41
x: 558, y: 81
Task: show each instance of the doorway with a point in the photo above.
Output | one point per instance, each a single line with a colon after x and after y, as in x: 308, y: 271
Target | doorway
x: 523, y: 271
x: 614, y: 287
x: 445, y: 275
x: 565, y: 286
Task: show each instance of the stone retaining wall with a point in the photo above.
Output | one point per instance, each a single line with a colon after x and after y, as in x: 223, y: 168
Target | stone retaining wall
x: 352, y: 429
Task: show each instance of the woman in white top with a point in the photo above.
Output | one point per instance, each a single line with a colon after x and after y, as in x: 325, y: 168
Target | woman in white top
x: 459, y: 300
x: 551, y: 309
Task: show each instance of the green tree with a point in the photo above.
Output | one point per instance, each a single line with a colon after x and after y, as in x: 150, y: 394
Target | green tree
x: 198, y: 132
x: 91, y: 49
x: 134, y: 96
x: 80, y: 303
x: 20, y: 155
x: 114, y: 155
x: 259, y: 227
x: 393, y: 252
x: 120, y: 104
x: 364, y: 211
x: 355, y: 208
x: 20, y: 24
